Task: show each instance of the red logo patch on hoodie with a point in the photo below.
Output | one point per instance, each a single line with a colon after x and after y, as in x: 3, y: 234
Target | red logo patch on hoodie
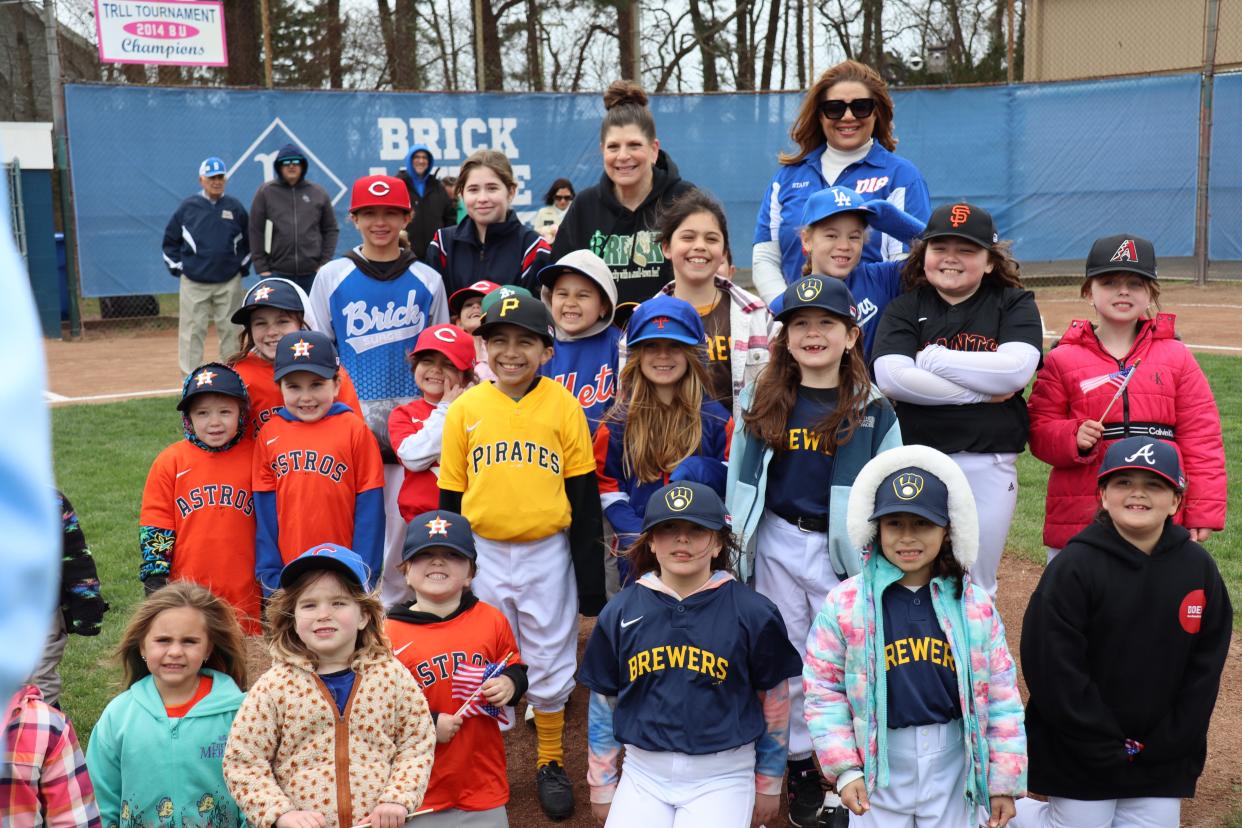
x: 1190, y: 615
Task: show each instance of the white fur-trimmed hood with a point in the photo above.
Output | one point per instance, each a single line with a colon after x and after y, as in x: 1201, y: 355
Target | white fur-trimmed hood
x: 963, y: 516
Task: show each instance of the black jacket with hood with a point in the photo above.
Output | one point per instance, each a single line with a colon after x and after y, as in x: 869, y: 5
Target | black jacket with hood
x: 625, y: 239
x: 512, y: 254
x: 433, y: 208
x: 303, y: 229
x: 1116, y: 645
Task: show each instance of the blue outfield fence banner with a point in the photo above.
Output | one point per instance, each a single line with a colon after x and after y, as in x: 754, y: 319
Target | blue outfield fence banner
x: 1058, y: 164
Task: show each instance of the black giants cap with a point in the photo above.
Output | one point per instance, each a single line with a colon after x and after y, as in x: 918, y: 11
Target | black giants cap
x: 1132, y: 254
x: 524, y: 311
x: 686, y: 500
x: 965, y: 220
x: 305, y: 351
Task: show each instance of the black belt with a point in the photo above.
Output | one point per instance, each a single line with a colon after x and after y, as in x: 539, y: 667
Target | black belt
x: 807, y: 523
x: 1119, y: 431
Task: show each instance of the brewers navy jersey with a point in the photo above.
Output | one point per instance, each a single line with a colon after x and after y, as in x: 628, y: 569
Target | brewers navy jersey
x: 995, y: 314
x: 686, y: 673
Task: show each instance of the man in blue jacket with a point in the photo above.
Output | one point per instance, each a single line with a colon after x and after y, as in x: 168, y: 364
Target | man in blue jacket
x: 207, y: 245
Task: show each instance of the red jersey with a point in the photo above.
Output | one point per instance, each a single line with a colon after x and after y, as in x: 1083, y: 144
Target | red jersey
x: 265, y: 396
x: 415, y: 431
x: 206, y: 498
x: 468, y: 772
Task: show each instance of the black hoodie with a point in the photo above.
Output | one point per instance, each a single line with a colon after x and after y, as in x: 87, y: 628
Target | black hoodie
x: 293, y: 229
x: 1117, y: 645
x: 624, y: 239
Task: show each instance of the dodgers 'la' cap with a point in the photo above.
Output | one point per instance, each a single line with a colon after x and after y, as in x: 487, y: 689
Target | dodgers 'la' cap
x: 305, y: 351
x: 913, y: 490
x: 439, y: 528
x: 686, y: 500
x: 331, y: 557
x: 212, y: 378
x: 1123, y: 252
x: 665, y: 317
x: 520, y: 309
x: 830, y: 201
x: 969, y: 221
x: 212, y: 166
x: 269, y: 293
x: 1148, y: 454
x: 817, y: 291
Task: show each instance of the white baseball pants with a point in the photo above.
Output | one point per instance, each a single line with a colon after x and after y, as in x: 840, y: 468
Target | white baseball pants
x: 926, y: 781
x: 533, y: 584
x: 994, y: 483
x: 676, y: 790
x: 1059, y: 812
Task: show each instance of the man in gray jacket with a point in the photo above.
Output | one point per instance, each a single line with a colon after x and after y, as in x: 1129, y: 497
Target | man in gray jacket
x: 293, y: 229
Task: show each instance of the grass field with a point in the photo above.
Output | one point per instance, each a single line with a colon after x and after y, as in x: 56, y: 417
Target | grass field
x: 102, y: 453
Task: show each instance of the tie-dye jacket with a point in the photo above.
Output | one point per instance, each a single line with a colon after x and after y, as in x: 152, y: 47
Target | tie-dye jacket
x: 846, y: 701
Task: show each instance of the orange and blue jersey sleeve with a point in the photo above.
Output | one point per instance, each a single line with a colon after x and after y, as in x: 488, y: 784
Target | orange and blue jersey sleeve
x: 614, y: 485
x: 267, y: 560
x: 369, y: 519
x: 348, y: 393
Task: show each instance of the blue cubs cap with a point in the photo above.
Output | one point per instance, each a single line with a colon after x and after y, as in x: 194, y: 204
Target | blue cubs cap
x: 326, y: 556
x: 515, y: 306
x: 212, y: 166
x: 686, y: 500
x: 212, y: 378
x: 305, y: 351
x: 437, y: 528
x: 816, y: 291
x: 1147, y: 453
x: 665, y: 317
x: 269, y: 293
x: 913, y: 490
x: 832, y: 200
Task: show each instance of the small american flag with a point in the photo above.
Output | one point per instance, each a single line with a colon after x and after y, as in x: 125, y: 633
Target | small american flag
x: 467, y: 681
x: 1117, y: 378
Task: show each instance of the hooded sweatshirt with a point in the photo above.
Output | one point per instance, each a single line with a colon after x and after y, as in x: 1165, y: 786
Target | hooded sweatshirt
x: 432, y: 205
x: 293, y: 229
x: 587, y: 363
x: 1118, y: 644
x: 625, y: 239
x: 510, y: 254
x: 150, y: 770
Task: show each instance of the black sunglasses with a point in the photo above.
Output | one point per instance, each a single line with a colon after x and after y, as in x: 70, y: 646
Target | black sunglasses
x: 563, y: 198
x: 834, y: 110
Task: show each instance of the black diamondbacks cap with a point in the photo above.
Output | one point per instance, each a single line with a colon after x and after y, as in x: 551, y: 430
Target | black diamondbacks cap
x: 523, y: 311
x: 968, y: 221
x: 1128, y: 253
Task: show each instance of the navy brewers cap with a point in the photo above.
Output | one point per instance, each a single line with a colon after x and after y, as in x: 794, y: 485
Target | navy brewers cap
x: 1147, y: 453
x: 816, y: 291
x: 969, y: 221
x: 326, y: 556
x: 269, y: 293
x: 212, y: 378
x: 1124, y: 252
x: 913, y: 490
x: 519, y: 309
x: 305, y: 351
x: 830, y: 201
x: 665, y: 317
x: 437, y: 528
x: 686, y: 500
x: 212, y: 166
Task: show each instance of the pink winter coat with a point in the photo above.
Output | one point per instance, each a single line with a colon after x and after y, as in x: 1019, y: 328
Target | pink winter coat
x: 1168, y: 395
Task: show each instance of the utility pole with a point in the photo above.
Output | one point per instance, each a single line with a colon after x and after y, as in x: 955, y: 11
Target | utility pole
x: 1211, y: 27
x: 60, y: 158
x: 267, y: 43
x: 1008, y: 50
x: 636, y: 69
x: 810, y: 41
x: 479, y: 74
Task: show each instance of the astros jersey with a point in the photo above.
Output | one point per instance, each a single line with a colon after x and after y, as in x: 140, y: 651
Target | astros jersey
x: 510, y: 458
x: 469, y: 771
x: 686, y: 673
x: 206, y: 498
x: 265, y: 396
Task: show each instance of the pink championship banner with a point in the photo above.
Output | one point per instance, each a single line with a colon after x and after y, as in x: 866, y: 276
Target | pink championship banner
x: 161, y: 32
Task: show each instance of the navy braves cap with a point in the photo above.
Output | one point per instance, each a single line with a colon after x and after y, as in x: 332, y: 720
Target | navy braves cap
x: 520, y: 309
x: 269, y: 293
x: 1124, y: 252
x: 969, y: 221
x: 1156, y: 456
x: 305, y: 351
x: 212, y: 167
x: 665, y: 317
x: 913, y: 490
x: 816, y: 291
x: 686, y: 500
x: 437, y: 528
x: 212, y: 378
x: 832, y: 200
x: 329, y: 556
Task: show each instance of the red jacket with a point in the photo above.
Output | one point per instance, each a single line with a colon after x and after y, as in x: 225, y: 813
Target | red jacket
x: 1168, y: 390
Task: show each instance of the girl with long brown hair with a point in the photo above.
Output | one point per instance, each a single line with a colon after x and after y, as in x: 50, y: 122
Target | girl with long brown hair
x: 812, y: 420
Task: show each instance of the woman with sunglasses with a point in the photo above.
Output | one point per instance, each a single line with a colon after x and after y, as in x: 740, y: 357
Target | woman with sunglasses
x: 844, y: 133
x: 556, y: 201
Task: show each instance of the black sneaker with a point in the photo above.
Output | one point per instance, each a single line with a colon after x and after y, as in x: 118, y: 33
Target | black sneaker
x: 556, y: 792
x: 834, y: 817
x: 806, y: 794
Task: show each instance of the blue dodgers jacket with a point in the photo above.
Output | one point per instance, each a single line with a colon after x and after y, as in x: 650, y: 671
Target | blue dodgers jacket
x: 881, y: 174
x: 747, y: 485
x: 208, y: 241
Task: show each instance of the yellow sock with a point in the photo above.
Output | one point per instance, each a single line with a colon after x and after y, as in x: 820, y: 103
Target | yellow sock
x: 549, y: 731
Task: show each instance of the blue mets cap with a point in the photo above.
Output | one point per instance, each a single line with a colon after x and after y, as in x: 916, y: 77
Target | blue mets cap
x: 305, y: 351
x: 437, y: 528
x: 212, y: 378
x: 686, y: 500
x: 816, y: 291
x: 212, y: 166
x: 913, y: 490
x: 326, y: 556
x: 665, y: 317
x: 832, y: 200
x: 269, y: 293
x: 1147, y: 453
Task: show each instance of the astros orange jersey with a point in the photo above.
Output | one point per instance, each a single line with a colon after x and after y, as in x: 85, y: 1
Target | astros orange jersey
x: 265, y: 396
x: 510, y: 458
x: 469, y: 771
x: 206, y: 498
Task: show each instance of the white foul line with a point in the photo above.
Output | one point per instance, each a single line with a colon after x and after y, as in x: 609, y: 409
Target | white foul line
x: 51, y: 396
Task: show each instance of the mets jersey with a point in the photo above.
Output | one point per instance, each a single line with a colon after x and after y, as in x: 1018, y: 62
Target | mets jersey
x: 265, y: 396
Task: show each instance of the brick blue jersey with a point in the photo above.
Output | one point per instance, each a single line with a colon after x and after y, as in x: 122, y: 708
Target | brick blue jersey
x: 588, y: 368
